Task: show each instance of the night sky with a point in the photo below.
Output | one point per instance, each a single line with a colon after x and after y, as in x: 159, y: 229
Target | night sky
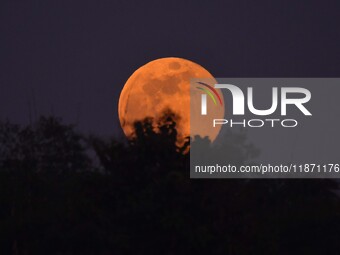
x: 72, y: 58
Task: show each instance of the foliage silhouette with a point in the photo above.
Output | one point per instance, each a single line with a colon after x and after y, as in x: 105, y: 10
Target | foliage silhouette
x: 139, y: 199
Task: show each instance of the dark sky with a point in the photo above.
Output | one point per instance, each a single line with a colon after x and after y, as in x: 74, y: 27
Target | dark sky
x: 71, y: 58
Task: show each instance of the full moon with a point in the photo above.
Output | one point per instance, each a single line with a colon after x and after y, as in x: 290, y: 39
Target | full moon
x: 165, y: 84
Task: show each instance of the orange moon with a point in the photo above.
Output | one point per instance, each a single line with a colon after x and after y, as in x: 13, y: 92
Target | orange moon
x: 165, y: 84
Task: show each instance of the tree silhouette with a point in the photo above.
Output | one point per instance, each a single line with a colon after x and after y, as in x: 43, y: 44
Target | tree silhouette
x: 139, y: 199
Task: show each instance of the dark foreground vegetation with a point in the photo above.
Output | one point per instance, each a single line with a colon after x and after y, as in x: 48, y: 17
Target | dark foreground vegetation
x: 58, y: 197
